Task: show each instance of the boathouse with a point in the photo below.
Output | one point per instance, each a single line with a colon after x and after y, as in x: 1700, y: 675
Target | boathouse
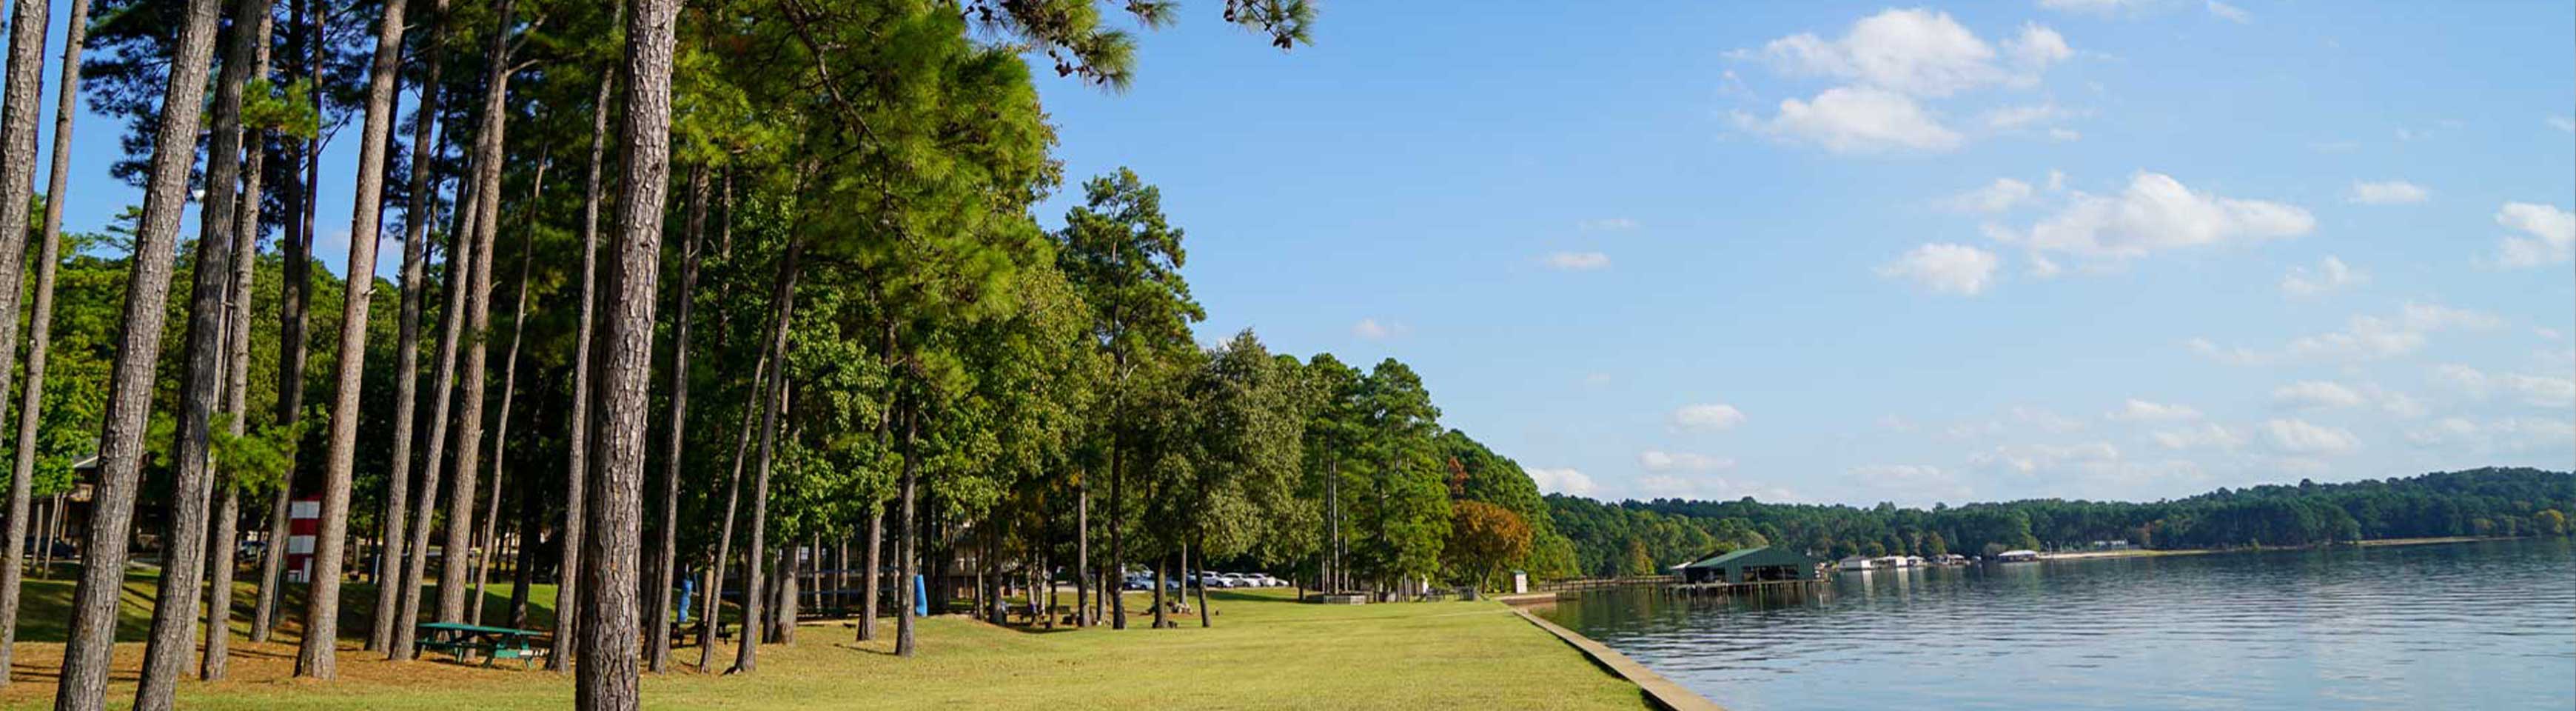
x: 1751, y: 565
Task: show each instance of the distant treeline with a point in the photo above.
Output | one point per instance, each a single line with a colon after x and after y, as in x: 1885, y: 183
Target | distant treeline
x: 1642, y: 537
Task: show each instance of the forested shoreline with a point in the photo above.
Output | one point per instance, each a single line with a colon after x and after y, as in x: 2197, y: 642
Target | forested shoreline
x: 1642, y: 537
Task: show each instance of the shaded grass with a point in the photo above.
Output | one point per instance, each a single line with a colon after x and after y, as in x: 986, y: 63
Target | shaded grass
x: 1266, y: 652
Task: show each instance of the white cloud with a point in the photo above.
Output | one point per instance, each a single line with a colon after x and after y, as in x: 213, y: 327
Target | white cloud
x: 1856, y: 119
x: 2001, y: 195
x: 2033, y: 458
x: 1918, y: 52
x: 1372, y: 329
x: 1655, y: 460
x: 2136, y: 410
x: 2533, y: 390
x: 1561, y: 481
x: 2363, y: 337
x: 1945, y: 268
x: 2098, y: 7
x: 1914, y: 482
x: 2509, y: 434
x: 1577, y: 261
x: 1607, y: 224
x: 1707, y: 416
x: 2228, y: 12
x: 1709, y: 489
x: 2157, y: 212
x: 2315, y: 394
x: 2207, y: 435
x: 2036, y: 49
x: 2295, y: 436
x: 2392, y: 192
x: 2330, y: 274
x: 2063, y: 135
x: 2563, y: 123
x: 2552, y: 235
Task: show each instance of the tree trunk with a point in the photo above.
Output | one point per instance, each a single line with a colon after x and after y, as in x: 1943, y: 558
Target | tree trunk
x: 219, y: 587
x: 907, y: 538
x: 1081, y: 552
x: 1161, y: 563
x: 451, y: 325
x: 296, y: 249
x: 657, y: 589
x: 772, y: 400
x: 576, y: 488
x: 39, y: 338
x: 1117, y: 543
x: 391, y: 619
x: 708, y: 622
x: 318, y: 656
x: 488, y: 156
x: 509, y: 390
x: 523, y: 568
x: 1204, y: 614
x: 871, y: 580
x: 623, y: 359
x: 92, y: 632
x: 174, y: 614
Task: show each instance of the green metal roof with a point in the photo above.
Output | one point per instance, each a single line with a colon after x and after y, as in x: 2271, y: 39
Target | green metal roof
x: 1743, y: 553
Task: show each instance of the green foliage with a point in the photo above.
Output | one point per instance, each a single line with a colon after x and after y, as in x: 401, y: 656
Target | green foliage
x: 1607, y: 535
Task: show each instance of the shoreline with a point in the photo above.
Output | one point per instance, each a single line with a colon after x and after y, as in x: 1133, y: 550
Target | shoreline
x: 2371, y: 543
x: 1663, y: 692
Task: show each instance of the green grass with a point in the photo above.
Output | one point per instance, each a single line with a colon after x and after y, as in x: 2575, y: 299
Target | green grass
x: 1266, y: 651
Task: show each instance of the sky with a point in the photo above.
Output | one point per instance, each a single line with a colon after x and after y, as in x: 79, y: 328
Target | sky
x: 1852, y: 253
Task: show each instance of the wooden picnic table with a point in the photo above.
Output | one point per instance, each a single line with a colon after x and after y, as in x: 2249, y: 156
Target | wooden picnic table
x: 493, y: 643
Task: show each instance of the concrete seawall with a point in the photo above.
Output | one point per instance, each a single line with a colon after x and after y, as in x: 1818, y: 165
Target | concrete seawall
x: 1663, y: 692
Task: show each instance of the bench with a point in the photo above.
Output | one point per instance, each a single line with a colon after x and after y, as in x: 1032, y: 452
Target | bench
x: 493, y: 644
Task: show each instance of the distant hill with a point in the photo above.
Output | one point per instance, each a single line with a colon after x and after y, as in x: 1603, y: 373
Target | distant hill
x: 1638, y: 537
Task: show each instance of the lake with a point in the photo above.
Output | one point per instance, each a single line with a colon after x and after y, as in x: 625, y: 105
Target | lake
x: 2486, y: 625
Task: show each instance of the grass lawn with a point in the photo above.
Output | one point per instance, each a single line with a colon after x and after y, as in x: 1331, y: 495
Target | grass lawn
x: 1266, y: 651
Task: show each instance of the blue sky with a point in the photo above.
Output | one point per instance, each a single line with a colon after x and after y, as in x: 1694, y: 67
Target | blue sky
x: 1857, y: 253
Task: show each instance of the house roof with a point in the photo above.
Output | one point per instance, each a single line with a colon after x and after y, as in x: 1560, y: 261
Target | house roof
x: 1757, y: 554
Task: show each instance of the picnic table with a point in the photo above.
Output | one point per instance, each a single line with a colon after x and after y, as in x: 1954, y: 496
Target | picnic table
x: 493, y: 643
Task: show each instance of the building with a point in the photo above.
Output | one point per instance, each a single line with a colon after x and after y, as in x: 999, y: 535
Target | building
x: 1856, y: 563
x: 1751, y: 565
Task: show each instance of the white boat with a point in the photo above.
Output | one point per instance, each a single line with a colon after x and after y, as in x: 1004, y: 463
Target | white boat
x: 2019, y: 556
x: 1855, y: 563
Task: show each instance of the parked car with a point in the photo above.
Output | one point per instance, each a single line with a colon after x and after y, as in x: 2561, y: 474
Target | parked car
x: 250, y: 550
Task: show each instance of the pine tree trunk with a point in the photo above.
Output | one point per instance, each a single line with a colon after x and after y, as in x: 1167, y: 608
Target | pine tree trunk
x: 318, y: 656
x: 872, y: 581
x: 772, y: 400
x: 666, y: 553
x: 576, y: 488
x: 907, y: 539
x: 92, y: 630
x: 219, y: 583
x: 488, y: 157
x: 708, y: 623
x: 174, y: 614
x: 1117, y: 543
x: 509, y: 390
x: 40, y: 340
x: 1081, y: 552
x: 391, y: 622
x: 623, y: 360
x: 460, y: 262
x: 523, y: 567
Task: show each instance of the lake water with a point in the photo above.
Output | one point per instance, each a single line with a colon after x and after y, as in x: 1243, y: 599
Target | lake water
x: 2489, y: 625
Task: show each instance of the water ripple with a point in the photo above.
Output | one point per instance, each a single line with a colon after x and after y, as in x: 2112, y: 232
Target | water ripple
x: 2481, y: 625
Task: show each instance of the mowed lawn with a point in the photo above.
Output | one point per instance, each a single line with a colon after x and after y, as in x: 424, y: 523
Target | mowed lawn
x: 1266, y: 651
